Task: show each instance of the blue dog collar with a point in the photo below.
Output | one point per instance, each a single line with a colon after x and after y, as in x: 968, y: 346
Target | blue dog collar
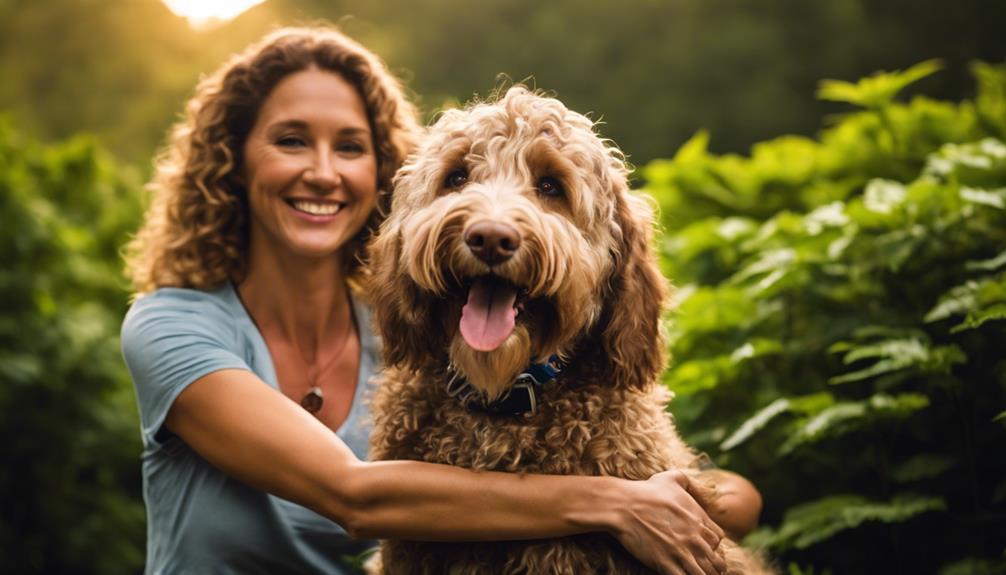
x: 520, y: 399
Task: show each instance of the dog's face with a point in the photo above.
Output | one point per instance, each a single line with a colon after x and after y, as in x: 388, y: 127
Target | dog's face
x: 512, y: 235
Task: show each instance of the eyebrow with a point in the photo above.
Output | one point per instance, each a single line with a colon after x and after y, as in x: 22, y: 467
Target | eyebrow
x: 302, y: 125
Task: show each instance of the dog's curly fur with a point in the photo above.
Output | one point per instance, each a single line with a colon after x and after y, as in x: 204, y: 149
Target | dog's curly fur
x: 592, y: 295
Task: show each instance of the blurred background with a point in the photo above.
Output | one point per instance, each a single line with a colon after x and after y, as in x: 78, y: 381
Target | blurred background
x: 838, y: 247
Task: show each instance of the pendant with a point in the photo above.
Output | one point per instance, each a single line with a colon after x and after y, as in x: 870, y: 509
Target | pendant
x: 313, y: 400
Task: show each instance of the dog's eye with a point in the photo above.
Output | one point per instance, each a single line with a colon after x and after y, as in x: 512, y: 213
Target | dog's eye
x: 456, y: 179
x: 550, y: 187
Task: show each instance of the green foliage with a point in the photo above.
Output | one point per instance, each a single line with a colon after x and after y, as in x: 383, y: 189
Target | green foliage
x: 878, y: 91
x: 975, y: 567
x: 654, y: 71
x: 810, y: 523
x: 840, y: 325
x: 68, y: 438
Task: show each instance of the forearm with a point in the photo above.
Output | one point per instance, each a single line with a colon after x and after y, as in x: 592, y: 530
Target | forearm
x: 272, y: 444
x: 413, y: 500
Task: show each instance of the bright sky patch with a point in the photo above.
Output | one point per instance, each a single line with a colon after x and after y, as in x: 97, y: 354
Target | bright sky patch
x: 203, y: 13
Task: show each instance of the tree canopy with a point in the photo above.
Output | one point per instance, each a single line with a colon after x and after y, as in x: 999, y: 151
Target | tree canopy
x: 655, y: 71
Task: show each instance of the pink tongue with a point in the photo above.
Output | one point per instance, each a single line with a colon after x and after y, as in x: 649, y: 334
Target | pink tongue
x: 488, y: 317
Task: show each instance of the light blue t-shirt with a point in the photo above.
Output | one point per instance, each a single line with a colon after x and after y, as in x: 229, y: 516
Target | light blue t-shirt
x: 199, y: 520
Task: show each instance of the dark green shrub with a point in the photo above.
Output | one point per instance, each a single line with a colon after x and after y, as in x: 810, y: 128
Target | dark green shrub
x: 839, y: 335
x: 69, y: 447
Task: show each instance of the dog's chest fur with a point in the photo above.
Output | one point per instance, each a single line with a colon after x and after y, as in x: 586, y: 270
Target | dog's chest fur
x: 580, y: 428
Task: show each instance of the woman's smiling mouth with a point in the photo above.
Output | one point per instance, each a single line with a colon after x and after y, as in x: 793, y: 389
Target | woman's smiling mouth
x: 315, y: 208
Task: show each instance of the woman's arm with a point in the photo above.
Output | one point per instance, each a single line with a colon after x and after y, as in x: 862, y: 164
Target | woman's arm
x: 255, y: 434
x: 738, y: 503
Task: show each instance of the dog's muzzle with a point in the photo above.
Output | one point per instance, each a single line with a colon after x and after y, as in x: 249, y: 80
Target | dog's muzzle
x: 492, y: 242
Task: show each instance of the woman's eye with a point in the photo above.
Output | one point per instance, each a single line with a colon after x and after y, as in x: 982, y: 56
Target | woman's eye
x: 456, y: 179
x: 351, y: 147
x: 549, y: 186
x: 290, y: 142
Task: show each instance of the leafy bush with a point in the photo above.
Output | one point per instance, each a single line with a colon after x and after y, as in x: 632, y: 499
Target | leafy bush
x: 69, y: 445
x: 839, y: 333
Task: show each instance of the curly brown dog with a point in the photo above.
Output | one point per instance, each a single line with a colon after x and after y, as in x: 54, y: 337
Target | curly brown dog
x: 514, y: 250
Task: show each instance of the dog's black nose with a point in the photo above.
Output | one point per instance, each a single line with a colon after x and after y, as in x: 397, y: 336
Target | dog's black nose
x: 492, y: 242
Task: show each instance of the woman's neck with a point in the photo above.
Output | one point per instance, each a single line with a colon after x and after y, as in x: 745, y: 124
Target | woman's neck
x: 303, y: 300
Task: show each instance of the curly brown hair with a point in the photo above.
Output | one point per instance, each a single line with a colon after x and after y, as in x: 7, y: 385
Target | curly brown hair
x: 195, y: 234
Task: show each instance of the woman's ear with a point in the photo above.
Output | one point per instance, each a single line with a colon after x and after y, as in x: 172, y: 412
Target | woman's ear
x: 630, y: 334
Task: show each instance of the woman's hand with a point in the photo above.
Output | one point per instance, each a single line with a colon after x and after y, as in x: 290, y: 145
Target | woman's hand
x: 664, y: 525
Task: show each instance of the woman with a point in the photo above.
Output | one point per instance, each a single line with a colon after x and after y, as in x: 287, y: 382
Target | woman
x: 248, y: 347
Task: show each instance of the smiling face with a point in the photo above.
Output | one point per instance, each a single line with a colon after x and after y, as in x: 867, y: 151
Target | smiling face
x: 505, y: 239
x: 310, y: 167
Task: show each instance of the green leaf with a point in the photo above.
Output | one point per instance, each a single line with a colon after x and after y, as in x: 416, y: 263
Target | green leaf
x: 987, y: 265
x: 847, y: 416
x: 878, y: 90
x: 967, y: 161
x: 991, y: 198
x: 771, y: 262
x: 978, y: 318
x: 812, y: 404
x: 899, y: 354
x: 958, y: 300
x: 991, y: 99
x: 757, y: 347
x: 713, y: 310
x: 755, y: 423
x: 20, y: 369
x: 900, y: 406
x: 696, y: 148
x: 696, y: 375
x: 827, y: 216
x: 975, y: 566
x: 830, y: 421
x: 983, y: 300
x: 811, y: 523
x: 883, y: 196
x: 922, y: 466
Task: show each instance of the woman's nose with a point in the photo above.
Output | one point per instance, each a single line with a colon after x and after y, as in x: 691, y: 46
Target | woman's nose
x: 323, y: 172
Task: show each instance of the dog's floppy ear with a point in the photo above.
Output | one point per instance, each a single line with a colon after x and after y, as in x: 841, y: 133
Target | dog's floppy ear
x: 400, y: 309
x: 631, y: 334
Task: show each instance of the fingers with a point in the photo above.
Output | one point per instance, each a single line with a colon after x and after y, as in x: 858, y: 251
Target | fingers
x: 711, y: 536
x: 719, y: 562
x: 716, y: 529
x: 702, y: 496
x: 673, y: 569
x: 702, y: 500
x: 712, y: 568
x: 691, y: 567
x: 686, y: 537
x: 703, y: 558
x: 711, y: 562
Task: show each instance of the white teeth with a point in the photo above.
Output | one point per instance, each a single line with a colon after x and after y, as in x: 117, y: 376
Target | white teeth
x: 316, y: 209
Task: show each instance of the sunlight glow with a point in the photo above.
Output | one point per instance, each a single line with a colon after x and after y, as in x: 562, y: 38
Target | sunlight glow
x: 205, y: 13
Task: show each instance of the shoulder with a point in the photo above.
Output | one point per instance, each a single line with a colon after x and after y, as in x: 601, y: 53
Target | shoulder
x: 181, y: 301
x: 167, y: 303
x: 177, y: 312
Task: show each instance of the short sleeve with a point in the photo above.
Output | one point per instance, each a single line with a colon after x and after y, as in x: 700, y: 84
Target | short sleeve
x: 170, y: 339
